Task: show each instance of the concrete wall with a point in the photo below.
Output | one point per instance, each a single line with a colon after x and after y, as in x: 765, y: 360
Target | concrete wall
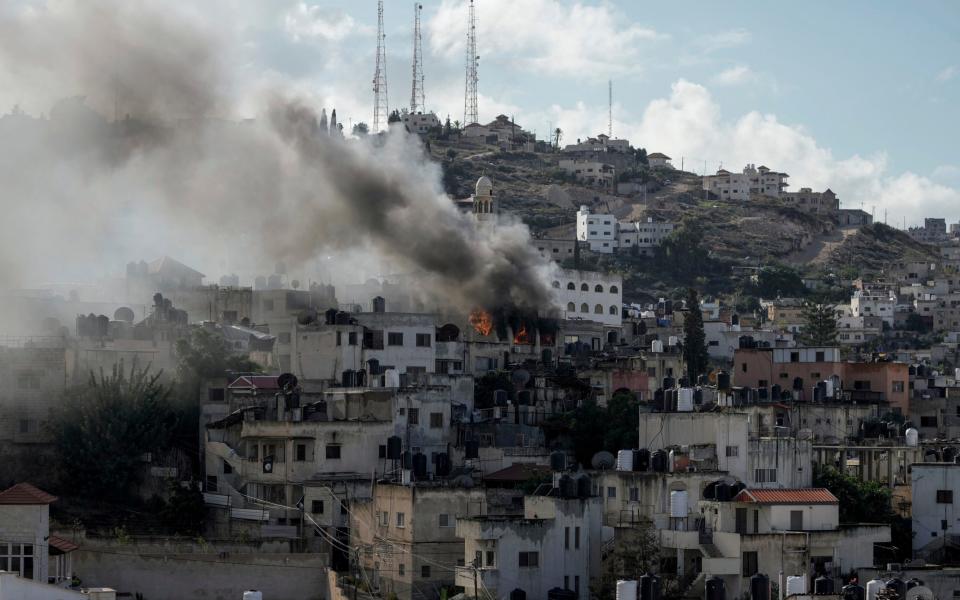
x: 28, y: 524
x: 13, y: 587
x: 928, y: 514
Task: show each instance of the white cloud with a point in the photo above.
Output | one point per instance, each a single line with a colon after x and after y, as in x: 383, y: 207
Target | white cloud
x: 544, y: 36
x: 311, y: 22
x: 722, y: 40
x: 948, y: 73
x: 737, y: 75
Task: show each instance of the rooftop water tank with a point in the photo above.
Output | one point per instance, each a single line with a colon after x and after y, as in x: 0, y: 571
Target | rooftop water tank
x: 822, y: 586
x: 626, y: 590
x: 760, y: 587
x: 873, y: 588
x: 658, y: 461
x: 685, y: 399
x: 853, y: 592
x: 649, y: 587
x: 252, y: 595
x: 678, y: 504
x: 716, y: 589
x: 641, y: 460
x: 796, y: 584
x: 913, y: 437
x: 625, y: 460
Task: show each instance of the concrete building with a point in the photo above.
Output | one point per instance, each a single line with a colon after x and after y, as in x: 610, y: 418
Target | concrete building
x: 590, y: 172
x: 806, y: 200
x: 659, y: 160
x: 853, y: 217
x: 409, y: 536
x: 557, y: 250
x: 751, y: 183
x: 419, y: 122
x: 934, y: 231
x: 723, y: 339
x: 935, y: 491
x: 556, y: 543
x: 643, y: 235
x: 589, y: 295
x: 601, y: 143
x: 35, y: 378
x: 866, y: 304
x: 26, y: 547
x: 597, y: 230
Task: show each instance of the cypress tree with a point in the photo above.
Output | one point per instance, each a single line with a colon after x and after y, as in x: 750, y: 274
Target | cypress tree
x: 819, y: 324
x: 694, y: 339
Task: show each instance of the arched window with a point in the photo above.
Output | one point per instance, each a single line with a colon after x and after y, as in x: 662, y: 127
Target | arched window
x: 570, y: 286
x: 584, y: 308
x: 584, y: 288
x: 571, y: 307
x: 598, y: 309
x: 614, y: 289
x: 613, y: 310
x: 556, y: 284
x: 598, y: 289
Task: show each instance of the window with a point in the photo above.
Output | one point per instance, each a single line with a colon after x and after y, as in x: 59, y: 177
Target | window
x: 529, y: 559
x: 212, y: 483
x: 556, y: 284
x: 634, y: 494
x: 571, y: 307
x: 339, y: 338
x: 928, y: 421
x: 425, y: 571
x: 382, y: 451
x: 333, y: 451
x: 614, y: 289
x: 584, y: 308
x: 401, y: 569
x: 566, y: 538
x: 17, y: 558
x: 611, y: 492
x: 749, y: 564
x: 570, y: 286
x: 743, y: 367
x: 794, y: 357
x: 28, y: 379
x: 227, y: 469
x: 300, y: 455
x: 598, y: 289
x: 796, y: 520
x: 733, y: 451
x: 395, y: 338
x: 316, y: 507
x: 352, y: 338
x: 613, y: 310
x: 413, y: 416
x: 944, y: 496
x: 576, y: 537
x: 598, y: 309
x: 423, y: 340
x: 436, y: 420
x: 765, y: 475
x: 820, y: 356
x: 491, y: 558
x: 897, y: 387
x: 284, y: 337
x: 446, y: 521
x: 584, y: 288
x: 400, y: 519
x: 216, y: 394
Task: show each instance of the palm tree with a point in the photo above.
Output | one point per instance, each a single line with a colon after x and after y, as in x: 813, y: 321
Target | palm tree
x: 557, y: 135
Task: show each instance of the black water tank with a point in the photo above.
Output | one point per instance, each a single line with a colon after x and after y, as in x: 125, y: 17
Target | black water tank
x: 760, y: 587
x: 558, y: 461
x: 853, y: 592
x: 523, y: 397
x: 722, y: 492
x: 443, y: 464
x: 659, y: 461
x: 949, y: 453
x: 406, y: 459
x: 379, y: 305
x: 583, y: 485
x: 330, y: 316
x: 669, y: 382
x: 822, y: 586
x: 684, y: 382
x: 471, y: 449
x: 546, y: 356
x: 698, y: 396
x: 716, y: 589
x: 561, y: 594
x: 500, y: 397
x: 658, y: 397
x: 798, y: 383
x: 518, y: 594
x: 649, y: 587
x: 723, y: 380
x: 776, y: 392
x: 898, y: 585
x: 394, y: 447
x: 913, y: 583
x: 641, y: 460
x: 568, y: 487
x: 348, y: 378
x: 420, y: 465
x: 710, y: 490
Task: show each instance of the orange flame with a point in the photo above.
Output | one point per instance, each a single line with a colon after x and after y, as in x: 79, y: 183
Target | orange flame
x: 522, y: 337
x: 481, y: 321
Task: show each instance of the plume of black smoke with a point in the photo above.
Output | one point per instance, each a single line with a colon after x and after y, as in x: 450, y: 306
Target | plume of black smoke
x: 93, y: 189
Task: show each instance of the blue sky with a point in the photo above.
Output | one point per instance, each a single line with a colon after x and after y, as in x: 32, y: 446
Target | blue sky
x: 858, y: 96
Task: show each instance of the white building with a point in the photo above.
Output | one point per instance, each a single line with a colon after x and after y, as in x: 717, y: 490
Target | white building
x: 556, y: 543
x: 659, y: 159
x: 420, y: 123
x: 26, y: 547
x: 752, y: 182
x: 873, y: 305
x: 936, y: 518
x: 598, y: 230
x: 601, y: 143
x: 589, y: 295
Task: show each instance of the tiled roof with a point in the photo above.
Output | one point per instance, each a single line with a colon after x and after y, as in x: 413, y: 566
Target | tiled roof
x: 787, y: 496
x: 658, y: 155
x: 258, y: 382
x: 24, y: 493
x: 62, y: 545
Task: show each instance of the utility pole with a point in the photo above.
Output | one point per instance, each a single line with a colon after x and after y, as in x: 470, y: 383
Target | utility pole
x: 417, y: 96
x: 470, y: 112
x: 381, y: 110
x: 475, y: 569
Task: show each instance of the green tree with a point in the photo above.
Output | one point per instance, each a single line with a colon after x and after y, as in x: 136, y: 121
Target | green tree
x: 819, y: 324
x: 779, y: 280
x: 682, y: 255
x: 361, y: 129
x: 860, y: 501
x: 204, y: 355
x: 694, y: 339
x: 394, y: 117
x: 641, y: 155
x: 637, y: 553
x: 185, y: 512
x: 105, y: 426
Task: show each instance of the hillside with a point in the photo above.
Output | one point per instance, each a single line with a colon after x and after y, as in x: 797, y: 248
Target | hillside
x: 876, y: 247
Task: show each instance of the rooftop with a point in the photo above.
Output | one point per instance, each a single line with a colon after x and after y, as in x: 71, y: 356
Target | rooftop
x: 787, y: 496
x: 25, y: 493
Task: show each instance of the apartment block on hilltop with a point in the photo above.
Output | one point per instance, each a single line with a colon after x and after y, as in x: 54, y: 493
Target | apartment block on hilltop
x: 752, y: 182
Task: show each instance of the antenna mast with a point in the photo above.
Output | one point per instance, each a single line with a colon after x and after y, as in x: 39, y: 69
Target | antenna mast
x: 470, y: 101
x: 610, y: 108
x: 417, y: 96
x: 380, y: 106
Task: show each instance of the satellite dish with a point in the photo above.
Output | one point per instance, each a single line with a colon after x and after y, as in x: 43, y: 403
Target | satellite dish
x: 464, y: 481
x: 123, y: 314
x: 268, y: 464
x: 520, y: 377
x: 286, y: 380
x: 603, y: 460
